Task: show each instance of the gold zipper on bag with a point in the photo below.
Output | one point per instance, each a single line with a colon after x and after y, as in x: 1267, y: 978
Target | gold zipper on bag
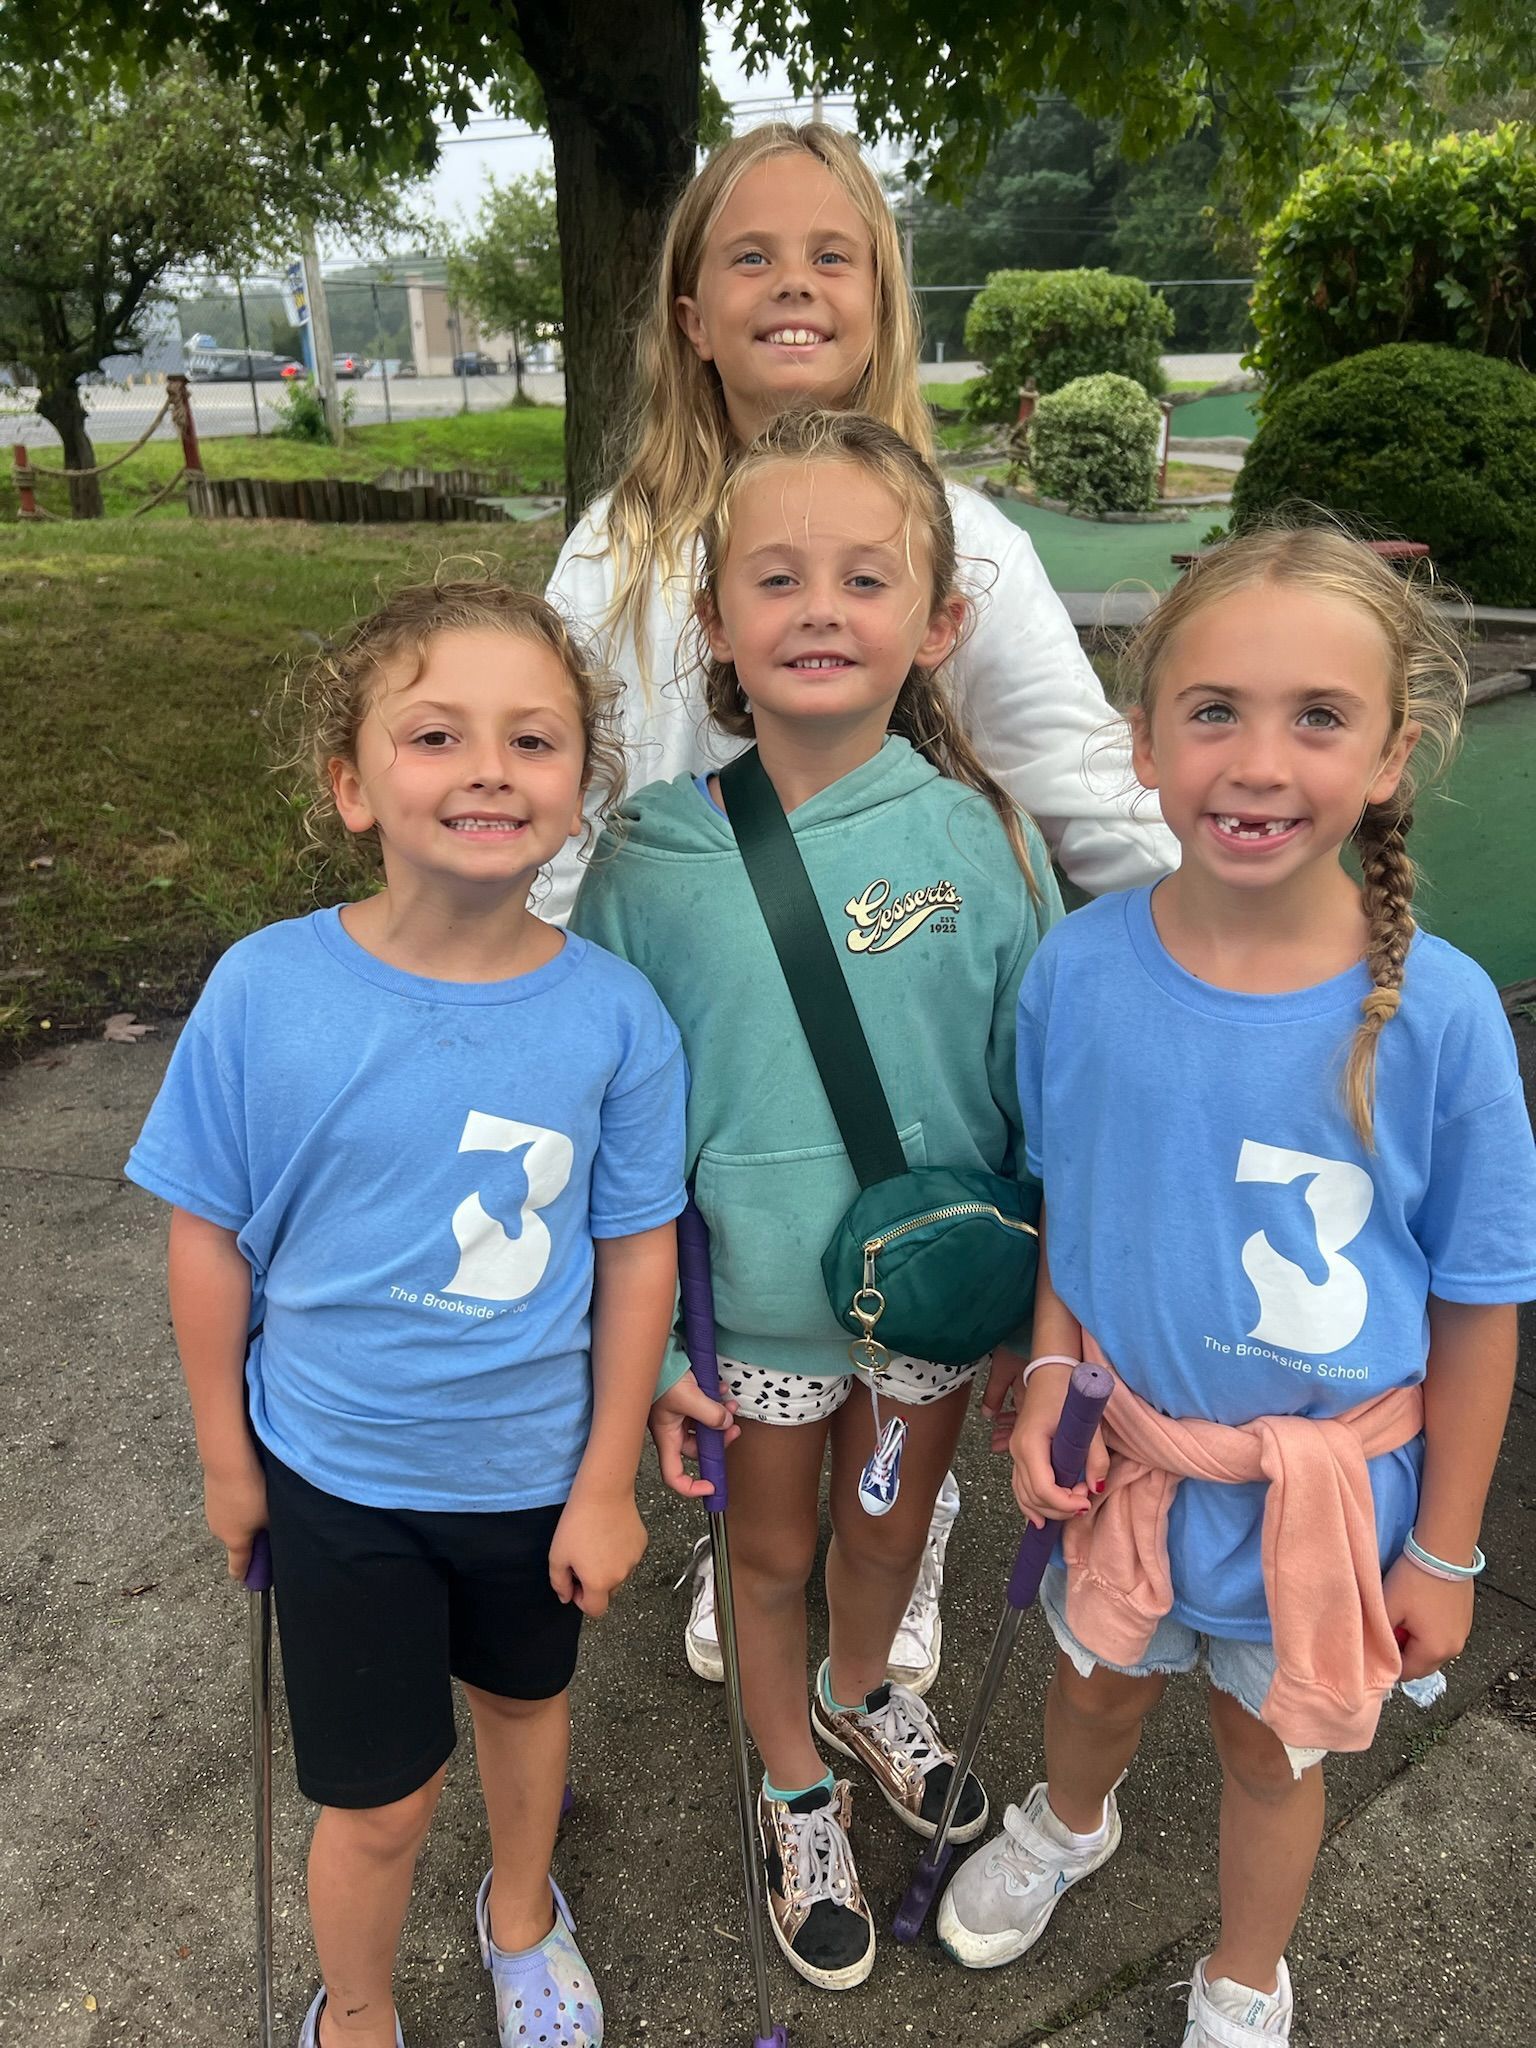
x: 866, y: 1353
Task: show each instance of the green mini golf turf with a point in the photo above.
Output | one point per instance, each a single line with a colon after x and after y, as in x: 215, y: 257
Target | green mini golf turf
x: 1477, y: 846
x: 1082, y: 554
x: 1235, y: 412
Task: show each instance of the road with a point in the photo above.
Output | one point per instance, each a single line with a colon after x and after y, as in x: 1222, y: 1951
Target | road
x: 121, y: 413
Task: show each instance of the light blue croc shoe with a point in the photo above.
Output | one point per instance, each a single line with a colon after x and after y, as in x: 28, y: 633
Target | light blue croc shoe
x: 545, y: 1997
x: 309, y: 2033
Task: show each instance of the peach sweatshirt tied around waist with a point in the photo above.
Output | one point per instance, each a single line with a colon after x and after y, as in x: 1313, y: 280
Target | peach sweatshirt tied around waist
x: 1335, y: 1655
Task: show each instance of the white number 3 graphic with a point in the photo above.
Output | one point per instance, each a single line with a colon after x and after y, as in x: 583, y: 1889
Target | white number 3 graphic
x: 1303, y: 1314
x: 493, y: 1266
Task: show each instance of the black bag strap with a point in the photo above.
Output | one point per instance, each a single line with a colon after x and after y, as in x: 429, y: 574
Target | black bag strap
x: 817, y: 985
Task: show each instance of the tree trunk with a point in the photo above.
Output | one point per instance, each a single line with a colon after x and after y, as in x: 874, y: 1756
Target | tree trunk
x: 60, y: 405
x: 623, y: 107
x: 517, y: 363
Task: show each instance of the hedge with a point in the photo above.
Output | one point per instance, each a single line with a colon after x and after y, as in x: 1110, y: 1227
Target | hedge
x: 1415, y: 442
x: 1397, y: 242
x: 1095, y: 444
x: 1059, y: 325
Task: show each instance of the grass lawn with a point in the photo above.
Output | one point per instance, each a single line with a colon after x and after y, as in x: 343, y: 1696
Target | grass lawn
x: 529, y: 440
x: 951, y: 396
x: 1196, y: 479
x: 141, y: 827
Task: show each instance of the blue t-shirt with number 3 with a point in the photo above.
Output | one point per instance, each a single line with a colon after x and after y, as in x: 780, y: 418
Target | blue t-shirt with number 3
x: 416, y: 1170
x: 1216, y: 1222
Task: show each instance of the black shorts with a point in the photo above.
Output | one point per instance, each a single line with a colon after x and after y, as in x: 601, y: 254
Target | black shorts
x: 377, y: 1606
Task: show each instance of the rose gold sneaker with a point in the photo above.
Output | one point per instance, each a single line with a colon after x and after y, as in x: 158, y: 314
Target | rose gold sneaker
x: 816, y: 1906
x: 897, y: 1740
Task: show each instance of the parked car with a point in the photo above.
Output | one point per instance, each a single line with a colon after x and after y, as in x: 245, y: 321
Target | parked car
x: 351, y: 366
x: 476, y: 364
x: 238, y: 365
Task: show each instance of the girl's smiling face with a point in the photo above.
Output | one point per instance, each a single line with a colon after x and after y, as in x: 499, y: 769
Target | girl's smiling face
x: 1270, y: 730
x: 471, y: 768
x: 784, y: 303
x: 824, y: 601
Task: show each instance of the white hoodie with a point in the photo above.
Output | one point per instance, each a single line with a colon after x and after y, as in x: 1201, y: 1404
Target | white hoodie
x: 1029, y: 698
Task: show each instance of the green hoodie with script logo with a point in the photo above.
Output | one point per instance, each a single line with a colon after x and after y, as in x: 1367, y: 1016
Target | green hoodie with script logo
x: 934, y: 924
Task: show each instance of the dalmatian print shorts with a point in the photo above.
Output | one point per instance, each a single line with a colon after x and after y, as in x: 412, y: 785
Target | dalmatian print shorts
x: 787, y: 1399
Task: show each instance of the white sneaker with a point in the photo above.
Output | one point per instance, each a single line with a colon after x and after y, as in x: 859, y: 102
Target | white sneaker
x: 916, y: 1650
x: 1000, y: 1900
x: 919, y: 1641
x: 701, y: 1639
x: 1225, y: 2014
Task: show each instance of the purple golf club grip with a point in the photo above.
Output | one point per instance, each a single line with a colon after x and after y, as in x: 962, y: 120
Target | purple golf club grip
x: 258, y: 1573
x: 1090, y: 1388
x: 699, y: 1340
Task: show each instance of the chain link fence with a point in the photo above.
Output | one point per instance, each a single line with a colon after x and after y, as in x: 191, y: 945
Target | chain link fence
x: 1211, y: 317
x: 402, y: 349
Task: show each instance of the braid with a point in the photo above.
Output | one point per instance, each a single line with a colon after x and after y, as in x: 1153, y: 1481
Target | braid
x: 1387, y: 876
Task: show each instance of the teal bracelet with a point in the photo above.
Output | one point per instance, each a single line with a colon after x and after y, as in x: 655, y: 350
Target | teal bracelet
x: 1437, y: 1566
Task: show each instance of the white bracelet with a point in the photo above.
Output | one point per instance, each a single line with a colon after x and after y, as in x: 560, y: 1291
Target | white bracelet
x: 1438, y: 1567
x: 1046, y: 1358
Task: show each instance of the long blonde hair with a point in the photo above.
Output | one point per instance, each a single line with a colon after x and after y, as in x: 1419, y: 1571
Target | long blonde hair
x: 679, y: 437
x: 922, y: 713
x: 1426, y: 686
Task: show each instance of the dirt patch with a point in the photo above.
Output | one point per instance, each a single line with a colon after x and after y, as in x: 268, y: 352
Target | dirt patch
x: 1514, y: 1696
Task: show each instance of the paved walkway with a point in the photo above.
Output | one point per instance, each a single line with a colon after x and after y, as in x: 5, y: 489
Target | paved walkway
x: 124, y: 1897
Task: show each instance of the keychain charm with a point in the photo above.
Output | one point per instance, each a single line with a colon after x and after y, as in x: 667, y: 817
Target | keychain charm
x: 880, y: 1481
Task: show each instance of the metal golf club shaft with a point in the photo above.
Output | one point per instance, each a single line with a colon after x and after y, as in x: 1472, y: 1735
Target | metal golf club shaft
x: 698, y: 1304
x: 1004, y: 1637
x: 258, y: 1584
x: 1090, y: 1388
x: 741, y: 1766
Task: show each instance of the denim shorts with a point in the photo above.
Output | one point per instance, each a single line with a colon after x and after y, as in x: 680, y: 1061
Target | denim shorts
x: 1242, y: 1670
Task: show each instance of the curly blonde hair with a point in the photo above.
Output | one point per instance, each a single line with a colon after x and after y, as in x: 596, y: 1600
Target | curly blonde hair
x: 679, y: 437
x: 327, y: 698
x: 923, y: 714
x: 1427, y: 686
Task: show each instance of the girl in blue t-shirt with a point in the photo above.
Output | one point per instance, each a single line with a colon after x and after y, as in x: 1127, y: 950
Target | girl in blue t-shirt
x: 425, y: 1152
x: 1288, y: 1174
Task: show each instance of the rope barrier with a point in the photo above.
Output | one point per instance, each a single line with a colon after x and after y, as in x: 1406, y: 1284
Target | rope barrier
x: 161, y: 495
x: 38, y: 469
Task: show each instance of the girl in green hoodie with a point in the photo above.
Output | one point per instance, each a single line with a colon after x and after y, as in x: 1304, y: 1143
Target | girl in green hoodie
x: 827, y: 609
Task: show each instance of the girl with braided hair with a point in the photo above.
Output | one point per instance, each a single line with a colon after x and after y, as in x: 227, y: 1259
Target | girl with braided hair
x: 1290, y: 1193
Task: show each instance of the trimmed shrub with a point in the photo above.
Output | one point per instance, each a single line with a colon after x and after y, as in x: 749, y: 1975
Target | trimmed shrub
x: 1094, y: 443
x: 1397, y: 242
x: 1059, y: 325
x: 1416, y: 442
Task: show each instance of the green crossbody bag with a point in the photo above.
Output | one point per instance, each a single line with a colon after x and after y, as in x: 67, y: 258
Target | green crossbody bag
x: 933, y: 1261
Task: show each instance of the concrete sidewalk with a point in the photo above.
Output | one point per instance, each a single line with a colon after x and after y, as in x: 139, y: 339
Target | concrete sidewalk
x: 125, y: 1911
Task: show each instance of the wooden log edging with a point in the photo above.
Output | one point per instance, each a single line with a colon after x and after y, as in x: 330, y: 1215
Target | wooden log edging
x: 334, y: 501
